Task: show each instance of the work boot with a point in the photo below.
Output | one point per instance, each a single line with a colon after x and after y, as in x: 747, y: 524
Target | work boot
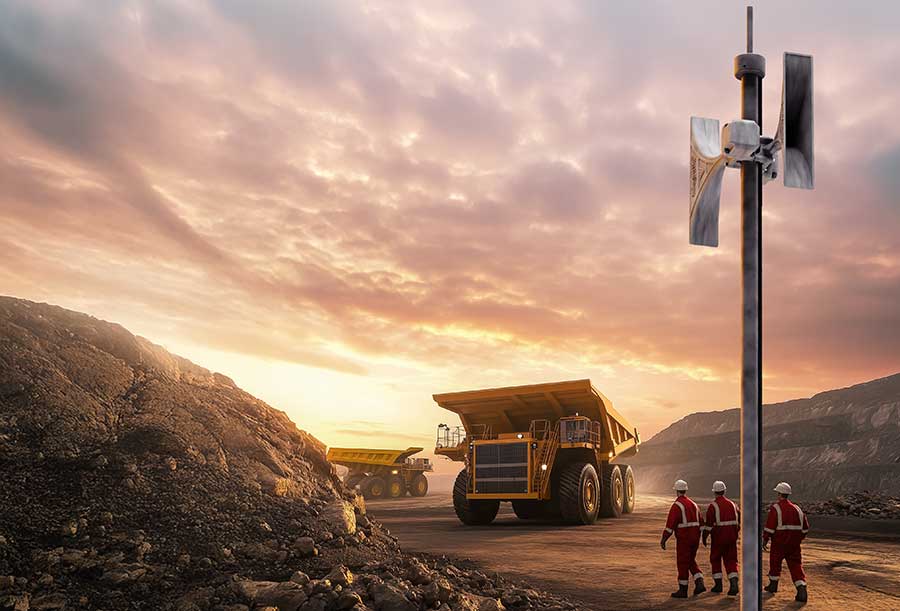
x: 772, y: 587
x: 681, y: 593
x: 801, y: 594
x: 733, y: 591
x: 717, y: 588
x: 699, y: 586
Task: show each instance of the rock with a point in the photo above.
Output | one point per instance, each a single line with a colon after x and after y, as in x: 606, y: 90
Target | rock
x: 340, y: 517
x: 171, y: 463
x: 305, y: 546
x: 300, y: 578
x: 184, y: 561
x: 474, y: 602
x: 340, y: 575
x: 286, y: 596
x: 388, y: 598
x: 16, y: 602
x: 7, y: 581
x: 348, y: 600
x: 48, y: 602
x: 69, y: 528
x: 418, y: 573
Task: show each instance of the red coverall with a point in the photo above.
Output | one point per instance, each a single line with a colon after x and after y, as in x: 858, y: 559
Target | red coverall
x: 787, y: 526
x: 723, y: 522
x: 684, y: 522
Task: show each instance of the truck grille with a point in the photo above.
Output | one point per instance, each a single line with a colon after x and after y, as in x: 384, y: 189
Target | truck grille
x: 501, y: 467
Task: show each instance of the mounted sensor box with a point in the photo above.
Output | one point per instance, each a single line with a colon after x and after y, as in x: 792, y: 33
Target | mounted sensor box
x: 740, y: 140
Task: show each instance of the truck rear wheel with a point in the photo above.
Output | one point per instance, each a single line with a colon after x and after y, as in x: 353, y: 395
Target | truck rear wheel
x: 373, y: 487
x: 628, y: 506
x: 613, y: 492
x: 469, y: 511
x: 579, y: 493
x: 395, y: 487
x: 419, y: 485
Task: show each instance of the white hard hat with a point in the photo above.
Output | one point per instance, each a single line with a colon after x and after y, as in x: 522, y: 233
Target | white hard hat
x: 681, y: 485
x: 718, y: 486
x: 783, y: 488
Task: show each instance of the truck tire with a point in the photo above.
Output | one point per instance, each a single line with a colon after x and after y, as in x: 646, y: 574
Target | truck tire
x: 471, y: 512
x: 395, y: 487
x: 419, y: 485
x: 628, y: 480
x: 579, y: 493
x: 613, y: 491
x: 373, y: 487
x: 527, y: 509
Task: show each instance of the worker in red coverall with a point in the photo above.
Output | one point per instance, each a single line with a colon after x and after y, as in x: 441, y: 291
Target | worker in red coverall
x: 723, y: 523
x: 786, y: 526
x: 684, y: 523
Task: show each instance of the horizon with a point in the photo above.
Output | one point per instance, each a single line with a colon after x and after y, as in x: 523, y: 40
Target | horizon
x: 443, y: 198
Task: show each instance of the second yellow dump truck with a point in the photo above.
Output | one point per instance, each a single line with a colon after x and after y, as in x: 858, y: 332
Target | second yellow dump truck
x: 383, y: 473
x: 552, y: 450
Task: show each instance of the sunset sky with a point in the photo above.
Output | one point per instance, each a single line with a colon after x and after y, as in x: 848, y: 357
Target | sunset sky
x: 349, y: 206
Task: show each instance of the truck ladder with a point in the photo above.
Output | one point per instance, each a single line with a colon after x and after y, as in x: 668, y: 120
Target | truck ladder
x: 545, y: 457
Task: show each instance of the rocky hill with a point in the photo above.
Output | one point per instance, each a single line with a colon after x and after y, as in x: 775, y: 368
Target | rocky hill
x: 833, y: 443
x: 131, y: 478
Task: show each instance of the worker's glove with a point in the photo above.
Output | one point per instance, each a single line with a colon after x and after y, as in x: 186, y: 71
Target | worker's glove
x: 662, y: 543
x: 705, y: 541
x: 765, y: 545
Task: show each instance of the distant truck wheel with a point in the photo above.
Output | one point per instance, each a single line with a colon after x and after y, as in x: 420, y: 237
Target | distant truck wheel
x: 527, y: 509
x: 419, y: 485
x: 579, y: 493
x: 373, y: 487
x: 613, y: 492
x: 628, y: 506
x: 395, y: 487
x: 472, y: 512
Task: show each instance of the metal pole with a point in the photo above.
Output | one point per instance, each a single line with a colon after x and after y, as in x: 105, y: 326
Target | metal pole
x: 750, y: 69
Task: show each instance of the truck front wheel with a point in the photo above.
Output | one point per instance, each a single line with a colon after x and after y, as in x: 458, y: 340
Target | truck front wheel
x: 396, y: 488
x: 613, y: 492
x: 472, y: 512
x: 419, y: 485
x: 579, y: 493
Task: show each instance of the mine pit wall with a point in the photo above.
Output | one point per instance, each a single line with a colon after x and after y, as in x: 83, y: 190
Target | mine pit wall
x: 835, y: 443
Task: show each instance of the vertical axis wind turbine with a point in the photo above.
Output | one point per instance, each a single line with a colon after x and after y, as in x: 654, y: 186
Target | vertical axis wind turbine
x: 743, y: 146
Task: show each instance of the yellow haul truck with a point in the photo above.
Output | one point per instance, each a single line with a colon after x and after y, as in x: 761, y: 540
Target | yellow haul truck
x: 383, y: 473
x: 550, y: 449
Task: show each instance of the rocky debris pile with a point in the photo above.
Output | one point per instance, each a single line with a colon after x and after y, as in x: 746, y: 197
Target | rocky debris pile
x: 861, y: 504
x: 133, y: 479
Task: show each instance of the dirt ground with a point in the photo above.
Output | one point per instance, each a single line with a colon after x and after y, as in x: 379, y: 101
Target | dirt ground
x: 617, y: 565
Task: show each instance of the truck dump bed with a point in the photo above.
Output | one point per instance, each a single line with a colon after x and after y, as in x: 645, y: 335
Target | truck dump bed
x: 363, y: 456
x: 512, y: 409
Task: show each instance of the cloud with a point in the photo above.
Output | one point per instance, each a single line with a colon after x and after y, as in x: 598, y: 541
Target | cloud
x: 474, y: 192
